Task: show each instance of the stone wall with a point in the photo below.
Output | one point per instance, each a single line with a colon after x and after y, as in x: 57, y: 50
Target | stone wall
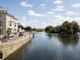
x: 9, y: 47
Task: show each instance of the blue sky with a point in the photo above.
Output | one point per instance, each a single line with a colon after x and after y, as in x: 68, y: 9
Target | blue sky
x: 41, y: 13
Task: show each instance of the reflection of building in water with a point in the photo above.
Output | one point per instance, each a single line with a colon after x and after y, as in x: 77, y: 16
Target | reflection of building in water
x: 7, y: 21
x: 69, y: 40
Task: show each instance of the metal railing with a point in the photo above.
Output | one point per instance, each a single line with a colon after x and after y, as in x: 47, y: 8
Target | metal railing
x: 26, y: 35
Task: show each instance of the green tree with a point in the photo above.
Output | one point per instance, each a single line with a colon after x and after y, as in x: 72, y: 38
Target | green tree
x: 74, y: 27
x: 8, y: 32
x: 28, y: 28
x: 49, y: 29
x: 20, y: 26
x: 39, y: 29
x: 65, y: 28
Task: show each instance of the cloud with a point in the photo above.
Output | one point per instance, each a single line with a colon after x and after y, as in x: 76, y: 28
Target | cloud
x: 60, y: 19
x: 54, y: 21
x: 77, y: 19
x: 43, y: 4
x: 76, y: 5
x: 32, y: 21
x: 23, y: 18
x: 65, y: 18
x: 59, y: 8
x: 25, y: 4
x: 33, y: 13
x: 58, y: 2
x: 50, y: 13
x: 71, y: 13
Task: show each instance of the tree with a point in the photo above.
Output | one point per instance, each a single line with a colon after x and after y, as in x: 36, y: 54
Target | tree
x: 65, y: 28
x: 49, y: 29
x: 39, y: 29
x: 75, y: 26
x: 28, y: 28
x: 20, y: 26
x: 8, y: 32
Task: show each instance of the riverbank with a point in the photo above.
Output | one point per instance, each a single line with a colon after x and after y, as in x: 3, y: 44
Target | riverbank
x: 9, y: 47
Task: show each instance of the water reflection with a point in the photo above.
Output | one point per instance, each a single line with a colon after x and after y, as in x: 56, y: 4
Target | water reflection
x: 66, y: 39
x: 69, y: 39
x: 49, y: 35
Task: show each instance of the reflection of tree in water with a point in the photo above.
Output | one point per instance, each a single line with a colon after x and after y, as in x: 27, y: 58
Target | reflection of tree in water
x: 69, y: 39
x: 49, y: 35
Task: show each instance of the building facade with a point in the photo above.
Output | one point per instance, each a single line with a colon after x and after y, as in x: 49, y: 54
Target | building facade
x: 7, y: 21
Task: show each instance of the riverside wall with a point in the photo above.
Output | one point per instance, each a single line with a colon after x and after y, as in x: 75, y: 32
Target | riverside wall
x: 8, y: 48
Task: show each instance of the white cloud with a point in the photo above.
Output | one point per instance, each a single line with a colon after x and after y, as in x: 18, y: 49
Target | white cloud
x: 23, y: 18
x: 25, y: 4
x: 43, y: 4
x: 58, y: 2
x: 76, y: 5
x: 33, y: 13
x: 77, y: 19
x: 66, y: 18
x: 50, y: 13
x: 32, y: 21
x: 59, y: 8
x: 58, y: 20
x: 54, y: 21
x: 59, y: 17
x: 71, y: 13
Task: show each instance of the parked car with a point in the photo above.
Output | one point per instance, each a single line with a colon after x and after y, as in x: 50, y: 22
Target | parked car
x: 11, y: 35
x: 1, y: 37
x: 20, y: 34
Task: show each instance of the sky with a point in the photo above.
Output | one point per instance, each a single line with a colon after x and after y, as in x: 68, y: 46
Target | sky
x: 41, y: 13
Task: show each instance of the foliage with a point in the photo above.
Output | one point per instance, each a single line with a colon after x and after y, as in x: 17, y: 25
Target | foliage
x: 28, y: 28
x: 39, y: 29
x: 20, y: 26
x: 49, y: 29
x: 65, y: 28
x: 8, y: 32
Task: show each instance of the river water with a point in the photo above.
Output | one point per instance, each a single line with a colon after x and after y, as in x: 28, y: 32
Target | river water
x: 49, y: 47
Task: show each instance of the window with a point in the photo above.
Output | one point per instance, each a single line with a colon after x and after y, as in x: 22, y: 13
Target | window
x: 1, y: 23
x: 10, y: 24
x: 15, y: 25
x: 14, y: 29
x: 0, y: 15
x: 1, y: 31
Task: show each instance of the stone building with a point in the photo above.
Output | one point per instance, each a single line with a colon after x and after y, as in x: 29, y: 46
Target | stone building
x: 7, y: 21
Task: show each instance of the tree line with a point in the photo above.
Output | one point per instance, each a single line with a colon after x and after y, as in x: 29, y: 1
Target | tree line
x: 65, y: 28
x: 29, y: 28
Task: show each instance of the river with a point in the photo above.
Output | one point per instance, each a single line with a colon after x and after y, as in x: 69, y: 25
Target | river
x: 49, y: 47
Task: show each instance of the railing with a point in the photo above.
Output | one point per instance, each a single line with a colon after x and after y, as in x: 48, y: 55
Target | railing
x: 26, y: 35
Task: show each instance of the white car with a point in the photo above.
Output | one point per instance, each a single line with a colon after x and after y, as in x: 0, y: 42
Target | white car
x: 1, y: 37
x: 11, y: 35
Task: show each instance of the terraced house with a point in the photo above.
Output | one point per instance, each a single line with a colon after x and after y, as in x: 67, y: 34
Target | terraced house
x: 7, y: 21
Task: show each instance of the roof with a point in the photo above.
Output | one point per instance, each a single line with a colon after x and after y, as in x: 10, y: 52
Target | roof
x: 2, y: 10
